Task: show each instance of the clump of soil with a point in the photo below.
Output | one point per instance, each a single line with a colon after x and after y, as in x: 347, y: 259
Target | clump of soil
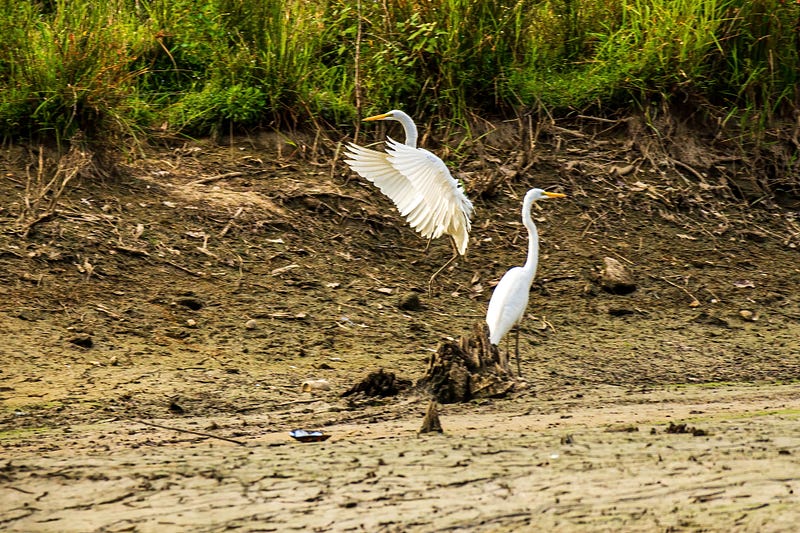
x: 380, y: 384
x: 678, y: 429
x: 471, y: 368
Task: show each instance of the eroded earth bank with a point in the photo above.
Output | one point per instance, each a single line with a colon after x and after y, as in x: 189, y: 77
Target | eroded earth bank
x: 158, y: 326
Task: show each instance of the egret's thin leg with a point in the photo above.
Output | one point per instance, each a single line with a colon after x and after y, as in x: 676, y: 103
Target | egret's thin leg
x: 449, y: 261
x: 519, y: 368
x: 508, y: 356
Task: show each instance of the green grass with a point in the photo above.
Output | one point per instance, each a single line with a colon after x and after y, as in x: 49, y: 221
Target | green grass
x: 68, y: 70
x: 120, y: 69
x: 727, y: 416
x: 18, y: 434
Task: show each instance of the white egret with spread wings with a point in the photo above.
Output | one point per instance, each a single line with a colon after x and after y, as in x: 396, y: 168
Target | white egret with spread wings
x: 419, y: 184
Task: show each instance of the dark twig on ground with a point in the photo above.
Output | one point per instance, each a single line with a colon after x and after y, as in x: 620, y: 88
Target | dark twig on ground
x: 192, y: 432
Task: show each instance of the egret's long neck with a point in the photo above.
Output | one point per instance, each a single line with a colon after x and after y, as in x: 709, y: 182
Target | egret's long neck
x: 408, y: 126
x: 533, y: 239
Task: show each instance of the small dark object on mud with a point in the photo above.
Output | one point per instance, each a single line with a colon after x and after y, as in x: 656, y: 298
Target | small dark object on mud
x: 620, y: 311
x: 379, y: 383
x: 409, y: 302
x: 84, y: 340
x: 683, y: 428
x: 175, y: 408
x: 308, y: 436
x: 195, y: 304
x: 431, y: 421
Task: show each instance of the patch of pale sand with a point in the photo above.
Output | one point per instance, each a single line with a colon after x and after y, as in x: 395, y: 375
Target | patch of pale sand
x: 490, y: 471
x: 608, y: 408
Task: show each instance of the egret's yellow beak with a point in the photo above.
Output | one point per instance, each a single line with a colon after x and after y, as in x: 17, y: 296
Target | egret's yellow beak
x: 554, y: 194
x: 378, y: 117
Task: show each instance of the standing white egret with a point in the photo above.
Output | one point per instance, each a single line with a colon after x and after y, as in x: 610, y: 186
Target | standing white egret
x: 419, y: 184
x: 510, y: 296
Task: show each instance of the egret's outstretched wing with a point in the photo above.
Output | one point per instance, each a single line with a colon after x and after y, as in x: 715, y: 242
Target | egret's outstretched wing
x: 374, y: 166
x: 421, y: 187
x: 445, y: 207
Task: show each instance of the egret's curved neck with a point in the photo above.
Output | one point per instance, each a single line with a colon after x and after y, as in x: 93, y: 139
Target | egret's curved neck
x: 408, y: 126
x: 533, y: 238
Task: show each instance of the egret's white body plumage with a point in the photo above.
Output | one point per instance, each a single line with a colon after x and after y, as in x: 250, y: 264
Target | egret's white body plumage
x: 510, y: 297
x: 418, y: 182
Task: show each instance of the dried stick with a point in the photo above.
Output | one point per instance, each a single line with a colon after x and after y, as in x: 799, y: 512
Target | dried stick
x: 211, y: 179
x: 190, y: 431
x: 689, y: 294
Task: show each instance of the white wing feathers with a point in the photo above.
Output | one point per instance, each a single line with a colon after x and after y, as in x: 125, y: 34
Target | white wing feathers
x: 421, y: 187
x: 375, y: 167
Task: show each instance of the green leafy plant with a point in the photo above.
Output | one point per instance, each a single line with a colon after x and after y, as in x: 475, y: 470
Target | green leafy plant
x: 116, y: 69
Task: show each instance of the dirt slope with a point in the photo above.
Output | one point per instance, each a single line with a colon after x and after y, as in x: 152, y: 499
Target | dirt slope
x: 202, y: 289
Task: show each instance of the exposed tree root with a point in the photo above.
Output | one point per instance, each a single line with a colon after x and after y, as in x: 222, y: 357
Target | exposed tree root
x: 466, y: 369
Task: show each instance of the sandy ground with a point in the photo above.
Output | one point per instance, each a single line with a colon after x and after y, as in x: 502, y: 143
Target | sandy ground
x: 602, y: 460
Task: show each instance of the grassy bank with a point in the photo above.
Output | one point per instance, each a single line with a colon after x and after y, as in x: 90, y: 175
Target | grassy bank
x: 124, y: 68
